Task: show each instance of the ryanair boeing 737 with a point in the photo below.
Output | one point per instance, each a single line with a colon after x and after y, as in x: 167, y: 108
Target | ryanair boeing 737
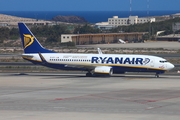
x: 94, y: 64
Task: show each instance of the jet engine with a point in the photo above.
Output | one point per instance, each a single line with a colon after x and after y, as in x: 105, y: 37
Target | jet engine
x: 103, y: 70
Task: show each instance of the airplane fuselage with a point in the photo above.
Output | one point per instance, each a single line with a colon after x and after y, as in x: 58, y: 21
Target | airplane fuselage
x: 94, y: 64
x: 119, y: 62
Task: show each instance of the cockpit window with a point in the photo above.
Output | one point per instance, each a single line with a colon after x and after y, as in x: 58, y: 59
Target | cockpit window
x: 162, y: 61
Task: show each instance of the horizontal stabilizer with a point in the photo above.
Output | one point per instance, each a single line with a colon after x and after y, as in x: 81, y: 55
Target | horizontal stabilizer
x: 27, y: 56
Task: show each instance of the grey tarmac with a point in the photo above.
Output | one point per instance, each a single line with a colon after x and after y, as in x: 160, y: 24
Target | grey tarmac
x: 44, y: 96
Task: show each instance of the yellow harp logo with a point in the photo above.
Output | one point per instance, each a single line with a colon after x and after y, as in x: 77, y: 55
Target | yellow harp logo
x: 28, y: 40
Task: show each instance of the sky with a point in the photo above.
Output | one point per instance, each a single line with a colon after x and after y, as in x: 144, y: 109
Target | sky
x: 88, y: 5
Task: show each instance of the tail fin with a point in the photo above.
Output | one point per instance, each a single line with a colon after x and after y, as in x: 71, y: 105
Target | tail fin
x: 29, y: 41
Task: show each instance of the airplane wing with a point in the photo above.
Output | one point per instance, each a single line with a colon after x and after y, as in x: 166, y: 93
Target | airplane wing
x: 81, y: 66
x: 96, y: 69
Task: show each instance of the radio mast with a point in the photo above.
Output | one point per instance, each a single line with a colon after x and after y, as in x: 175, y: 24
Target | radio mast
x: 130, y: 7
x: 147, y: 8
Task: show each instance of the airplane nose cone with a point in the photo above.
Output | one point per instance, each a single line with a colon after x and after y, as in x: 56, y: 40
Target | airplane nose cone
x: 170, y: 66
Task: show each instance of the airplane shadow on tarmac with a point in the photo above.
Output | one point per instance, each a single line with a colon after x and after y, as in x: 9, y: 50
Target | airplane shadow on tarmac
x: 83, y: 75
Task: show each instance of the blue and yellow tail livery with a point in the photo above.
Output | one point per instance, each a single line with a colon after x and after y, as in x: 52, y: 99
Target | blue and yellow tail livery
x: 29, y: 41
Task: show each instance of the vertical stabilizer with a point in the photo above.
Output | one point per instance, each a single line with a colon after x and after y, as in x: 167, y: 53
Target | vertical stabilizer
x: 29, y: 42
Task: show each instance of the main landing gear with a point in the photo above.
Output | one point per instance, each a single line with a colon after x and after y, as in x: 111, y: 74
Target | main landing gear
x: 89, y: 74
x: 157, y: 75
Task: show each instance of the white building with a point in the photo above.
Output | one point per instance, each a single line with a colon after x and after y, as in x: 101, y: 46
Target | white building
x: 115, y: 21
x: 67, y: 37
x: 176, y: 27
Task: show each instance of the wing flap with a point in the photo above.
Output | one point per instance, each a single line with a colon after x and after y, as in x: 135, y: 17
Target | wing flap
x: 80, y: 66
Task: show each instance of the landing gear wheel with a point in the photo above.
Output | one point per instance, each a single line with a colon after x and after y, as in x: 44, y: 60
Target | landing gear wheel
x: 157, y: 75
x: 111, y: 72
x: 88, y: 74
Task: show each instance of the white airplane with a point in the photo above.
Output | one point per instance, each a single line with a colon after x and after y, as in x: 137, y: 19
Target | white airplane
x: 94, y: 64
x: 122, y: 41
x: 99, y: 51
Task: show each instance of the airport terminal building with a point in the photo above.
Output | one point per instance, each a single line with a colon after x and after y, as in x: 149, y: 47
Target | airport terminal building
x: 102, y: 38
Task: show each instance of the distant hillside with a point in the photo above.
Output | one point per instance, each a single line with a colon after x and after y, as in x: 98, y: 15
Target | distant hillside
x: 69, y: 19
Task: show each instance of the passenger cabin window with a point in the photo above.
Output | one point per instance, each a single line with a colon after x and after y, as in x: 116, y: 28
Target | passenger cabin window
x: 77, y: 60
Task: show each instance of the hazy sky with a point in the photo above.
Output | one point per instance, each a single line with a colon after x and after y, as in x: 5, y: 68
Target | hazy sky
x: 87, y: 5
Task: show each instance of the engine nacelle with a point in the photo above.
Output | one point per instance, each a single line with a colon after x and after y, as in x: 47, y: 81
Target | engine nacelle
x: 103, y: 70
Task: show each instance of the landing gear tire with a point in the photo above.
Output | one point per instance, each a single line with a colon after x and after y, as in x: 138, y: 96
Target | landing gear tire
x: 88, y: 74
x: 157, y: 75
x: 111, y: 72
